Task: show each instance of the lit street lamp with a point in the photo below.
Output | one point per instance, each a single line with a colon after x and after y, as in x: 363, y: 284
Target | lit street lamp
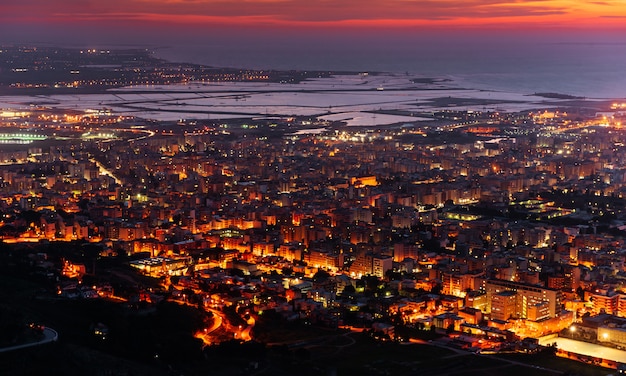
x: 572, y: 330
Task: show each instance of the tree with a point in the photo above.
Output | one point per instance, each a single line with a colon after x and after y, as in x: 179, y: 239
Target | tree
x: 437, y: 289
x: 11, y: 325
x: 30, y: 216
x: 550, y: 349
x: 392, y: 275
x: 321, y: 275
x: 371, y: 282
x: 8, y: 230
x: 348, y: 290
x: 581, y: 293
x: 235, y: 272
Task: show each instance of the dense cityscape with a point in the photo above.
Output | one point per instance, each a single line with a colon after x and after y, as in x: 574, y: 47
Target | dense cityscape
x: 269, y: 244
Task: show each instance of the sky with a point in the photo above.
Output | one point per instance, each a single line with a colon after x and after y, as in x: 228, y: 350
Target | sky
x: 140, y: 21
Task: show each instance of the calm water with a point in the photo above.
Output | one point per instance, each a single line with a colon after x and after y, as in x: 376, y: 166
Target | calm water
x: 590, y: 69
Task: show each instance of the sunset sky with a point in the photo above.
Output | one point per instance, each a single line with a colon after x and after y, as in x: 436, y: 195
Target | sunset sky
x: 138, y: 19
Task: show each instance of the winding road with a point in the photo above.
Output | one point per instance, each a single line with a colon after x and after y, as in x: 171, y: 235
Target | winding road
x: 49, y: 335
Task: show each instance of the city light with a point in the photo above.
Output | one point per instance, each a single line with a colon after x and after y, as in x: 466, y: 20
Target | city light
x: 494, y: 229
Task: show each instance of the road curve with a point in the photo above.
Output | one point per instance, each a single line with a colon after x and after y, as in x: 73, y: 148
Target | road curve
x: 49, y: 335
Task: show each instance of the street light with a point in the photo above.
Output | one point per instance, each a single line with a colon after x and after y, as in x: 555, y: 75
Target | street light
x: 572, y: 330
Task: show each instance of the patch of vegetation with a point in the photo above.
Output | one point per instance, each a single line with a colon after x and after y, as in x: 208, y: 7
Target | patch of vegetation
x: 568, y: 367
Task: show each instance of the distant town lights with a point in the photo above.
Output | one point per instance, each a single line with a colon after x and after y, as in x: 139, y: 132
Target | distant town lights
x: 14, y: 113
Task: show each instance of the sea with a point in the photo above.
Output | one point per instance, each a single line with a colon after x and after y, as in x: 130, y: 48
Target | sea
x: 594, y: 68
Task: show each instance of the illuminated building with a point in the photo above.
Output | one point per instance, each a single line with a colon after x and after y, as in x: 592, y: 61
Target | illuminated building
x: 613, y: 334
x: 503, y: 305
x: 372, y: 264
x: 527, y: 296
x: 159, y: 266
x: 604, y: 303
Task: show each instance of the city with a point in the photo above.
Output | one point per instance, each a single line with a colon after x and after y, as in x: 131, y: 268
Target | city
x: 456, y: 229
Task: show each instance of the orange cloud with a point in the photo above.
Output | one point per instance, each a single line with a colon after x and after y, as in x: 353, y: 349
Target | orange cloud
x: 344, y: 13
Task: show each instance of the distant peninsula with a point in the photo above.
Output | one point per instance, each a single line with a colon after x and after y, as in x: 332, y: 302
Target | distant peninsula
x: 55, y: 70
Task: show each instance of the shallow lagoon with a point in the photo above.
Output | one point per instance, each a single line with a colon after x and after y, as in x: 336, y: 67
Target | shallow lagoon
x: 354, y: 98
